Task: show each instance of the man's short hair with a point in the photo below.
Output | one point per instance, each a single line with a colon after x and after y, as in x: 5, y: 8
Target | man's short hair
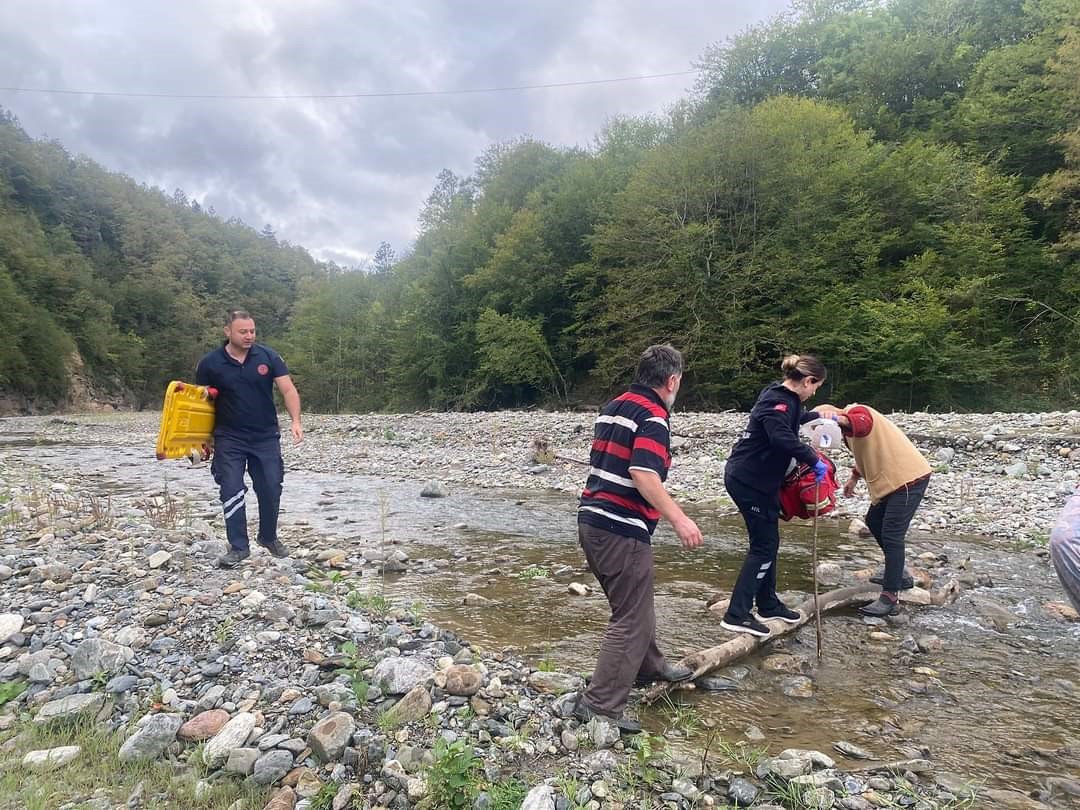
x: 657, y: 364
x: 237, y: 315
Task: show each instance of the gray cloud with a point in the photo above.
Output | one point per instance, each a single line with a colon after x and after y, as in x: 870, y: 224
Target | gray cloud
x: 339, y: 176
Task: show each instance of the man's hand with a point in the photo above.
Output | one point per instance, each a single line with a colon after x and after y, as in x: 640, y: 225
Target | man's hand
x: 849, y: 487
x: 297, y: 432
x: 688, y: 532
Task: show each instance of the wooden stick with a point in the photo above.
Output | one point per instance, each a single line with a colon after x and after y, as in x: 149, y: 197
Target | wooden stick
x: 817, y: 603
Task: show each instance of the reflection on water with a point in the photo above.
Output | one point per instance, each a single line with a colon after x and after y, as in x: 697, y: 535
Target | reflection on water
x: 982, y: 700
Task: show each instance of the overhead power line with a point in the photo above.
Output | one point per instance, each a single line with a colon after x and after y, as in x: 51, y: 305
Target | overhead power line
x: 340, y: 96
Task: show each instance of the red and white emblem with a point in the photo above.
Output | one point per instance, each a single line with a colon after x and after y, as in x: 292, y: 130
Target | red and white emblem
x: 263, y: 369
x: 780, y: 406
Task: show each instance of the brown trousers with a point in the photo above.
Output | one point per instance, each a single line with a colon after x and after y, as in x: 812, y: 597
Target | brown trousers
x: 624, y: 568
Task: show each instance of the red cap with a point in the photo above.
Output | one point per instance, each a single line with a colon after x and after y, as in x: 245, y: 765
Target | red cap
x: 861, y: 421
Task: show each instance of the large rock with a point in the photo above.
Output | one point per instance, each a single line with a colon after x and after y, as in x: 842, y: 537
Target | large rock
x: 51, y: 758
x: 153, y: 734
x: 463, y: 680
x: 272, y: 766
x: 397, y: 674
x: 414, y: 706
x: 10, y: 624
x: 97, y: 655
x: 603, y: 732
x: 328, y: 738
x: 203, y: 726
x: 540, y: 797
x: 555, y: 683
x: 830, y: 573
x: 70, y: 706
x: 233, y: 735
x: 916, y: 596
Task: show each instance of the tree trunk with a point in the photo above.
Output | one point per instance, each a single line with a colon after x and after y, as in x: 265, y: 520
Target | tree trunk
x: 705, y: 661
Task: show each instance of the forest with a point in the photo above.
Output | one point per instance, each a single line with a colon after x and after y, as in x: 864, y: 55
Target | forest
x: 891, y: 184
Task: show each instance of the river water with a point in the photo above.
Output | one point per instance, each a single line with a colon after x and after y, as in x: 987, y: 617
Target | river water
x: 977, y: 708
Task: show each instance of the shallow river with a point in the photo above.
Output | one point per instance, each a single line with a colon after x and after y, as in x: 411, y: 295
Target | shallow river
x: 995, y: 695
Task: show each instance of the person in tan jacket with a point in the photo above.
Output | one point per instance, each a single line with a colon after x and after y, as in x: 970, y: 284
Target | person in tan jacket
x: 897, y: 475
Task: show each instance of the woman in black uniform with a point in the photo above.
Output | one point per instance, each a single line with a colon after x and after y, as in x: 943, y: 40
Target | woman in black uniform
x: 753, y: 476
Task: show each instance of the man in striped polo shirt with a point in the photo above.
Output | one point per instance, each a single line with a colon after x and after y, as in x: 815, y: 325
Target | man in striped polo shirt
x: 623, y: 499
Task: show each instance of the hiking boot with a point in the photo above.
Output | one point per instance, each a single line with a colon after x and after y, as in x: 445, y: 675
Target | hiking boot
x: 881, y: 607
x: 276, y: 549
x: 626, y: 725
x: 781, y: 612
x: 907, y: 582
x: 748, y: 625
x: 672, y: 673
x: 233, y: 557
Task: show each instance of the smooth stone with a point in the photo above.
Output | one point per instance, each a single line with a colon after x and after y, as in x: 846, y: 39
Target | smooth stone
x: 397, y: 674
x: 272, y: 766
x: 70, y: 706
x: 50, y: 759
x: 10, y: 624
x: 463, y: 680
x: 555, y: 683
x: 96, y: 655
x: 232, y: 735
x: 203, y: 726
x: 414, y: 706
x: 328, y: 738
x: 153, y: 734
x: 242, y: 760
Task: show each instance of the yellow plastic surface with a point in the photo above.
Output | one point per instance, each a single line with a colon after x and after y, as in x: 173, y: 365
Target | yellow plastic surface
x: 187, y: 421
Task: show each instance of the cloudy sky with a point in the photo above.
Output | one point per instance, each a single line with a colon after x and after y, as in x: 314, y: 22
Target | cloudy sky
x: 339, y: 176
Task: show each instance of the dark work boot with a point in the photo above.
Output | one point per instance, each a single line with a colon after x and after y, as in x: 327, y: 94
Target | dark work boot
x: 276, y: 549
x: 584, y: 713
x: 233, y: 557
x: 672, y: 673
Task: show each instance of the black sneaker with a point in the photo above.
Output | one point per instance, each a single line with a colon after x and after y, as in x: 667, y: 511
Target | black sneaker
x: 748, y: 625
x: 906, y: 582
x: 781, y: 612
x: 881, y: 607
x: 626, y: 725
x: 233, y: 558
x: 276, y: 549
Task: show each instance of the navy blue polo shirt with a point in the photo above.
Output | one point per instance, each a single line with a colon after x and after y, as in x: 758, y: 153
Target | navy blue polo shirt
x: 245, y: 401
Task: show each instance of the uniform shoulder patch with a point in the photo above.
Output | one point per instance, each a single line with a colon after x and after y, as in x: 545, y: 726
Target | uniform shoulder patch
x: 780, y: 406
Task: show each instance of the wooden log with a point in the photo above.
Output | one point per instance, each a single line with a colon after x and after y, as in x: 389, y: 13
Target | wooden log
x: 709, y: 660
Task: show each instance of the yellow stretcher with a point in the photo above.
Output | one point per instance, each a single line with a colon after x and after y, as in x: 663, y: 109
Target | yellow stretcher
x: 187, y: 421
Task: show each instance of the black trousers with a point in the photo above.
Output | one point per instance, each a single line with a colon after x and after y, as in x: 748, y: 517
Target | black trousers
x: 261, y: 458
x: 757, y: 579
x: 888, y: 520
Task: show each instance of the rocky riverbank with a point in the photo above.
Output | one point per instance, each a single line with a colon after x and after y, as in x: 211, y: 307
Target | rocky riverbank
x: 999, y: 475
x: 133, y: 673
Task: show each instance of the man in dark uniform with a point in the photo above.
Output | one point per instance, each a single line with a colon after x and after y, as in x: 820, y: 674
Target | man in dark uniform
x: 246, y: 434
